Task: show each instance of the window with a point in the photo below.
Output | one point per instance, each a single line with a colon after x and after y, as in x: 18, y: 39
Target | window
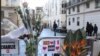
x: 73, y: 19
x: 69, y: 11
x: 64, y: 5
x: 73, y: 8
x: 78, y: 21
x: 97, y: 3
x: 69, y: 22
x: 78, y: 8
x: 63, y: 12
x: 87, y: 4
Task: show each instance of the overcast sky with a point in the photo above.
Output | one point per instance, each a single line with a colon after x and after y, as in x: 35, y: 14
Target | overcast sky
x: 35, y: 3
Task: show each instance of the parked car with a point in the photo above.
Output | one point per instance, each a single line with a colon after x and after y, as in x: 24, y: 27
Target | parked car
x: 61, y: 30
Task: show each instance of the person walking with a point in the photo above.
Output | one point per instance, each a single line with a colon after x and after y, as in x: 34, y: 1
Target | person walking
x: 91, y: 29
x: 54, y: 28
x: 87, y: 29
x: 95, y: 30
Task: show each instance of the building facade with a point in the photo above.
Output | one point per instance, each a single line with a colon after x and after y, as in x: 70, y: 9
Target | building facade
x: 39, y: 14
x: 56, y: 12
x: 79, y: 12
x: 8, y: 12
x: 10, y: 20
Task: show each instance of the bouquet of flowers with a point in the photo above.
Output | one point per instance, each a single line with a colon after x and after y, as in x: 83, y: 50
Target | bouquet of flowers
x: 74, y: 43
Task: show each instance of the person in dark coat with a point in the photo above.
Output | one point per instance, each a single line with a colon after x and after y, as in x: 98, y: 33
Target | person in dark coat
x: 95, y: 30
x: 54, y: 27
x: 91, y: 29
x: 87, y: 29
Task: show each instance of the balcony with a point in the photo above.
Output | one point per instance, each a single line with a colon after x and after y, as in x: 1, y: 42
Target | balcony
x: 77, y: 2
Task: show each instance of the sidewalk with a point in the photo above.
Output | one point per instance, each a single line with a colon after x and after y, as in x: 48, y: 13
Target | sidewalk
x: 96, y: 48
x: 46, y: 32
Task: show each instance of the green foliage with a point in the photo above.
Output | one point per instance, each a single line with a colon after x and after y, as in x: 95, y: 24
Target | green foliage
x: 37, y: 25
x: 68, y: 40
x: 78, y: 35
x: 68, y: 36
x: 73, y: 38
x: 83, y: 33
x: 68, y: 51
x: 30, y: 49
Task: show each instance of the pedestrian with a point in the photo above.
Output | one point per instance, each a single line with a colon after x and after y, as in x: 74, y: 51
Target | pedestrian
x: 54, y: 28
x: 91, y: 29
x: 87, y: 29
x: 95, y: 30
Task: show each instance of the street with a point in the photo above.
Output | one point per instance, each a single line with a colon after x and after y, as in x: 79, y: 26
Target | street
x: 46, y: 32
x: 96, y: 48
x: 49, y: 33
x: 50, y: 27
